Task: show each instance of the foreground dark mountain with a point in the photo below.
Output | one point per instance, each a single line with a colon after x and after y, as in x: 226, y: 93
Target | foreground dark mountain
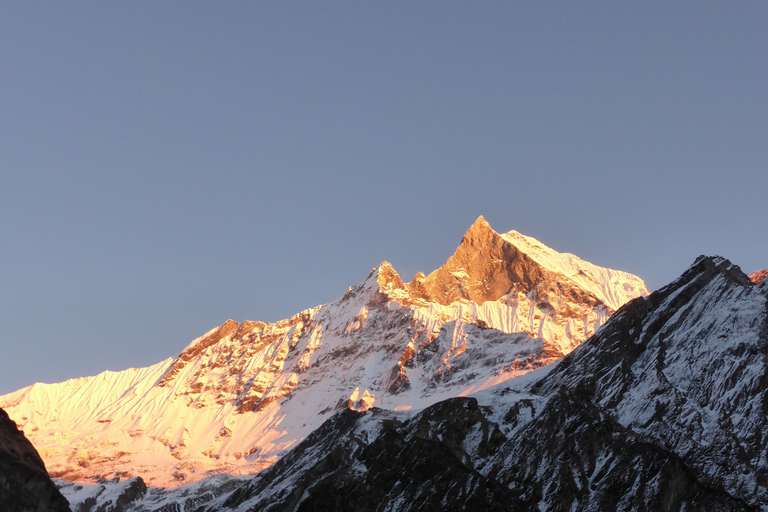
x: 24, y: 482
x: 663, y: 409
x: 687, y: 369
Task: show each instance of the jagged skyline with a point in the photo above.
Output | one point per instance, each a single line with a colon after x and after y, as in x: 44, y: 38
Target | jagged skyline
x: 239, y: 396
x: 168, y: 167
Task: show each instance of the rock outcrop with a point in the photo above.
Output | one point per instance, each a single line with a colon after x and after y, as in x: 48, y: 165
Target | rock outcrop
x: 757, y: 277
x: 24, y: 483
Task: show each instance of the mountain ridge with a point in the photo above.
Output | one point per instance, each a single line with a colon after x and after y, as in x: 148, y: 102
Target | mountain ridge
x: 240, y: 396
x: 479, y: 271
x: 663, y: 409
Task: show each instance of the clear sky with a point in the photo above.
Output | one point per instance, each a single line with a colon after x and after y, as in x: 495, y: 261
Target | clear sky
x: 169, y: 165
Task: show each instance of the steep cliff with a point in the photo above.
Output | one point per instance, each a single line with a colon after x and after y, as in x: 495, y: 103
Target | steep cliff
x: 24, y: 483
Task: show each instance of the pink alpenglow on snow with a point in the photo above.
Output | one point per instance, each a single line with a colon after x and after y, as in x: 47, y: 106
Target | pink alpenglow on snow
x: 243, y: 394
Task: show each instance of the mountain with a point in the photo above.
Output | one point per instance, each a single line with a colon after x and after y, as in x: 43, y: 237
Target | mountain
x: 24, y: 483
x: 687, y: 369
x: 665, y: 408
x: 242, y: 395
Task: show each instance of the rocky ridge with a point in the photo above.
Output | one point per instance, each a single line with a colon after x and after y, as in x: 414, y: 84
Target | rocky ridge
x: 687, y: 369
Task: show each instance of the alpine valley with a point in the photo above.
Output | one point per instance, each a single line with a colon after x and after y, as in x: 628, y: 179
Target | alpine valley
x: 513, y: 377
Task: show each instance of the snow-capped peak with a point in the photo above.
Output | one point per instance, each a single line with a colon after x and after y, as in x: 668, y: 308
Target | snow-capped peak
x: 241, y: 395
x: 487, y: 266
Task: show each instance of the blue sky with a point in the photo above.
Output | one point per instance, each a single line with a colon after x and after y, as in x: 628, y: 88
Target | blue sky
x: 169, y: 165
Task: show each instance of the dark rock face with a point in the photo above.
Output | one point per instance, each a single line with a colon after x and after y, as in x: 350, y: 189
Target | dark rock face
x: 452, y: 457
x: 24, y: 483
x: 132, y: 490
x: 665, y: 408
x: 573, y: 456
x: 687, y: 369
x: 403, y: 466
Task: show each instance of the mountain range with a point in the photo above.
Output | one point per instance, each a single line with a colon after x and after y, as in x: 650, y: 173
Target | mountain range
x: 665, y: 408
x: 490, y: 384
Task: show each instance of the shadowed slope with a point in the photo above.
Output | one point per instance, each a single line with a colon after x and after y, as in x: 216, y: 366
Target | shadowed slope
x: 24, y: 483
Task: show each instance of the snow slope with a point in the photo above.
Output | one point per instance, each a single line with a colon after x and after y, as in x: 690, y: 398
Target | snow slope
x: 243, y: 394
x: 612, y: 287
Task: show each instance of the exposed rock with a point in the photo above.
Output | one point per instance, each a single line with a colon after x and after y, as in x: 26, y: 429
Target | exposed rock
x: 344, y: 467
x: 488, y: 266
x: 485, y: 267
x: 573, y: 456
x: 452, y: 456
x: 24, y: 482
x: 757, y: 277
x: 687, y: 369
x: 120, y: 498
